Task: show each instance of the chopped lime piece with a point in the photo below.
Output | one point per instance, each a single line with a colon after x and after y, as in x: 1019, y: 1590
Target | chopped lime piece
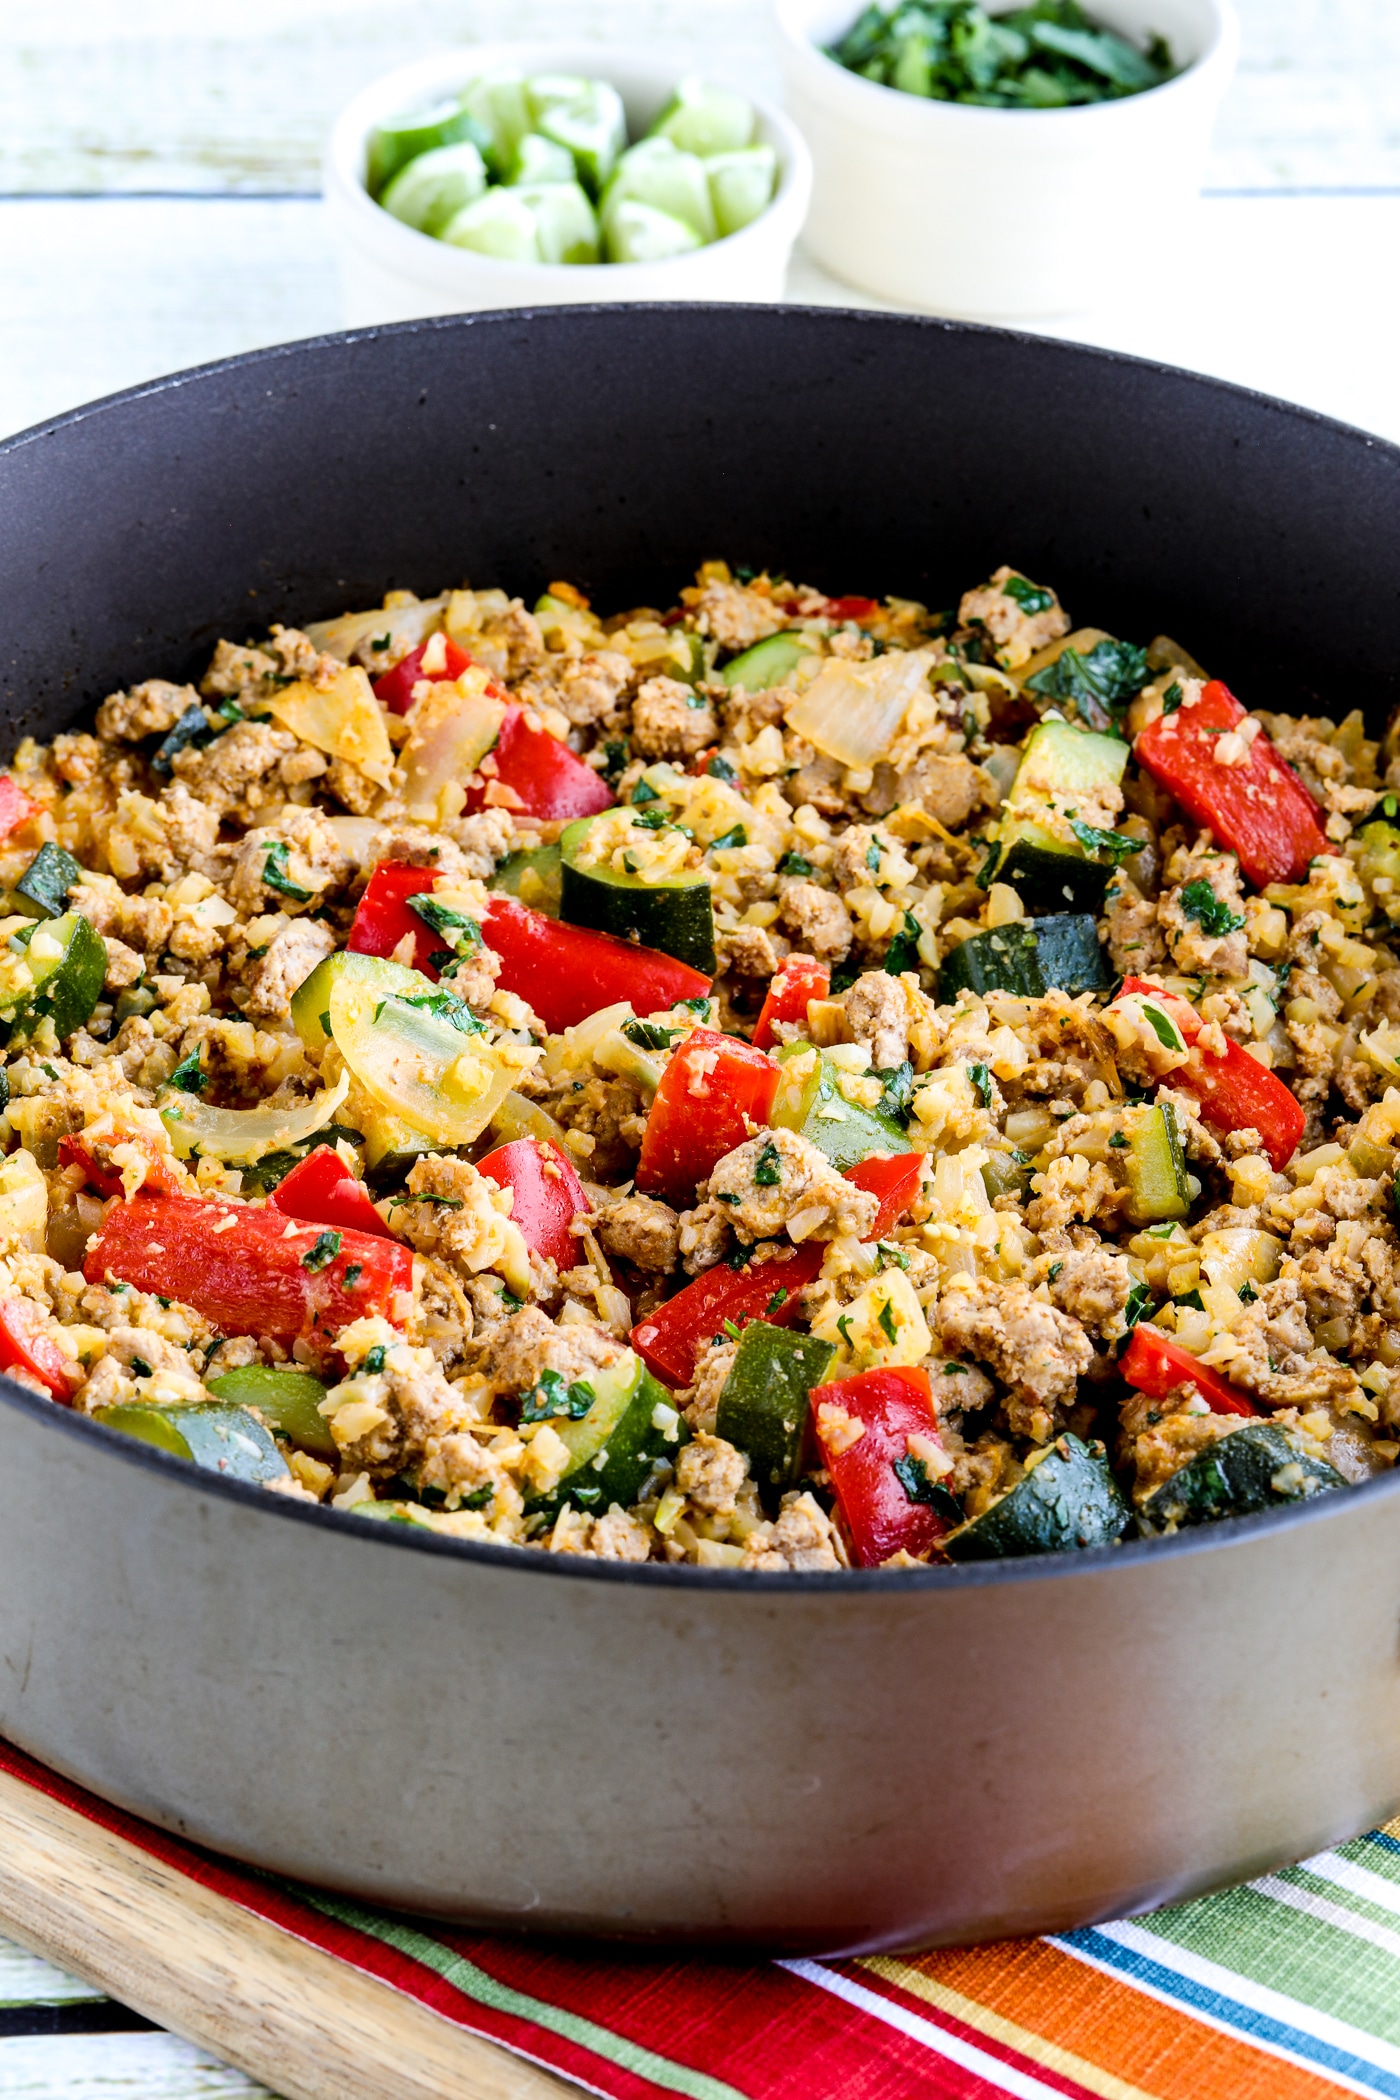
x: 547, y: 91
x: 565, y: 224
x: 498, y: 102
x: 428, y: 192
x: 657, y: 173
x: 704, y: 119
x: 392, y: 146
x: 640, y: 233
x: 592, y: 125
x: 499, y: 224
x: 741, y: 185
x: 538, y: 159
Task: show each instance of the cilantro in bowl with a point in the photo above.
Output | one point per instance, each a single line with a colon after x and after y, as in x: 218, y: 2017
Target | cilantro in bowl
x: 1045, y: 56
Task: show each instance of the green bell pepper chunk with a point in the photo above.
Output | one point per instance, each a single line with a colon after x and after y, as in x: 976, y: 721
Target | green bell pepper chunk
x: 288, y: 1401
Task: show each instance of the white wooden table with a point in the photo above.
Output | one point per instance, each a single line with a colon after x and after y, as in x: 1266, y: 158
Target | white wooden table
x: 158, y: 207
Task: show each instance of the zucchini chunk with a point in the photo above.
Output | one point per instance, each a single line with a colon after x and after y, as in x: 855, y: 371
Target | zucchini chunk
x: 1066, y: 1499
x: 533, y: 875
x: 1028, y: 957
x: 1155, y: 1167
x: 675, y: 916
x: 763, y: 1407
x: 312, y: 998
x: 288, y: 1401
x: 768, y: 663
x: 1252, y: 1468
x: 42, y: 890
x: 221, y: 1439
x: 1041, y: 857
x: 626, y: 1431
x: 52, y: 972
x: 810, y: 1102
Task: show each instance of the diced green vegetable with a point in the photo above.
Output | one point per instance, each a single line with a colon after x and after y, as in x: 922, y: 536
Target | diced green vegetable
x: 1254, y: 1467
x: 221, y: 1439
x: 501, y: 107
x: 741, y: 186
x: 763, y: 1407
x: 1041, y: 856
x: 565, y: 225
x: 1067, y: 1499
x: 810, y: 1102
x: 590, y: 122
x: 533, y: 874
x: 628, y: 1433
x: 658, y: 174
x: 392, y: 146
x: 53, y: 972
x: 639, y: 233
x: 1028, y: 957
x: 501, y: 224
x: 538, y: 159
x: 768, y: 663
x: 1155, y: 1167
x: 42, y: 890
x: 288, y: 1401
x: 705, y: 119
x: 675, y: 916
x: 433, y: 188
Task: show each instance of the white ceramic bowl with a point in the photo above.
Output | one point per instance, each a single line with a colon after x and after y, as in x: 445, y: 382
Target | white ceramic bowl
x: 1000, y: 214
x: 390, y: 272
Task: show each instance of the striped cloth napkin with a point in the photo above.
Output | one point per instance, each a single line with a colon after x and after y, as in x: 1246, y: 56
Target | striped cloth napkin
x: 1287, y: 1989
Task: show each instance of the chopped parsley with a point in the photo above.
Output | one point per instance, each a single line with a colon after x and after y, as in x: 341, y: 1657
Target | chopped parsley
x: 649, y: 1035
x: 189, y: 1075
x: 903, y: 951
x: 843, y: 1328
x: 735, y: 836
x: 1192, y: 1300
x: 912, y: 1475
x: 981, y: 1079
x: 720, y: 769
x: 140, y: 1368
x: 794, y: 864
x: 323, y: 1253
x: 462, y: 934
x: 651, y: 820
x: 1031, y: 597
x: 373, y: 1360
x: 768, y: 1168
x: 1138, y: 1305
x: 1162, y: 1028
x: 275, y: 876
x: 442, y: 1202
x: 886, y: 1323
x: 1247, y: 1293
x: 1119, y: 1141
x: 897, y: 1092
x: 1211, y: 913
x: 551, y: 1397
x: 1100, y: 683
x: 446, y: 1006
x: 1114, y: 846
x: 887, y: 1256
x: 1052, y: 1273
x: 779, y: 1298
x: 1172, y: 698
x: 874, y: 854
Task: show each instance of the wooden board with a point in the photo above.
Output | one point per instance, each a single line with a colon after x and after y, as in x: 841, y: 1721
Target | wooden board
x: 308, y: 2026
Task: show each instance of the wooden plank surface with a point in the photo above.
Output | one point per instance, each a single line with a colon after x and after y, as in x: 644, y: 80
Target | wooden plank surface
x: 228, y: 1981
x: 236, y: 95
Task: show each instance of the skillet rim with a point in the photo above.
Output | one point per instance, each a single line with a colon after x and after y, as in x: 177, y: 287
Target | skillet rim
x: 1206, y: 1538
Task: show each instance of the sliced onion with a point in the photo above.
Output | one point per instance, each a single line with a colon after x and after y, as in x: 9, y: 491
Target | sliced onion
x: 851, y: 711
x: 446, y: 1084
x: 241, y: 1135
x: 360, y: 837
x: 342, y: 718
x: 452, y: 728
x: 406, y: 626
x: 24, y: 1201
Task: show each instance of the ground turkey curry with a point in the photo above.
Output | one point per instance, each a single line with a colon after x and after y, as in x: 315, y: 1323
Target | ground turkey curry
x: 774, y: 1082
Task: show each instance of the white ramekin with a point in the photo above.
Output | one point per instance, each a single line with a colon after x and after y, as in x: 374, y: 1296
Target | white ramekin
x: 390, y: 272
x: 999, y: 214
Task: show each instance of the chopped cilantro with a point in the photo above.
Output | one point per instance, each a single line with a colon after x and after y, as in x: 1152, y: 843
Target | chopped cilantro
x: 381, y: 641
x: 510, y: 1301
x: 323, y: 1253
x: 462, y: 934
x: 1172, y: 698
x: 651, y: 820
x: 981, y: 1078
x: 737, y: 1258
x: 732, y: 1330
x: 887, y: 1256
x: 631, y: 863
x: 140, y: 1368
x: 735, y: 836
x: 1190, y: 1299
x: 373, y: 1360
x: 843, y: 1328
x: 700, y: 1006
x: 354, y: 1270
x: 873, y: 856
x: 987, y: 871
x: 615, y: 759
x: 442, y: 1202
x: 1162, y: 1028
x: 1211, y: 913
x: 912, y: 1475
x: 1052, y: 1273
x: 1247, y: 1293
x: 720, y: 769
x: 649, y: 1035
x: 897, y: 1097
x: 1100, y: 682
x: 1119, y: 1141
x: 794, y: 864
x: 779, y: 1298
x: 768, y: 1168
x: 886, y: 1323
x: 444, y: 1004
x: 275, y: 875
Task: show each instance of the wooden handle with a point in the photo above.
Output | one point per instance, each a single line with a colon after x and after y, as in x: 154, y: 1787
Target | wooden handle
x: 306, y: 2024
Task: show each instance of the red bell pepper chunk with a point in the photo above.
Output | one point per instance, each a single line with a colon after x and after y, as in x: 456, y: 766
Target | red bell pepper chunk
x: 246, y: 1269
x: 852, y: 608
x: 670, y: 1339
x: 1235, y: 1091
x: 1156, y: 1365
x: 714, y: 1093
x: 395, y: 689
x: 880, y: 1517
x: 25, y: 1347
x: 15, y: 806
x: 321, y: 1190
x: 383, y: 916
x: 548, y: 1195
x: 1259, y: 810
x: 543, y: 776
x: 892, y: 1176
x: 569, y: 972
x: 160, y: 1169
x: 801, y: 978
